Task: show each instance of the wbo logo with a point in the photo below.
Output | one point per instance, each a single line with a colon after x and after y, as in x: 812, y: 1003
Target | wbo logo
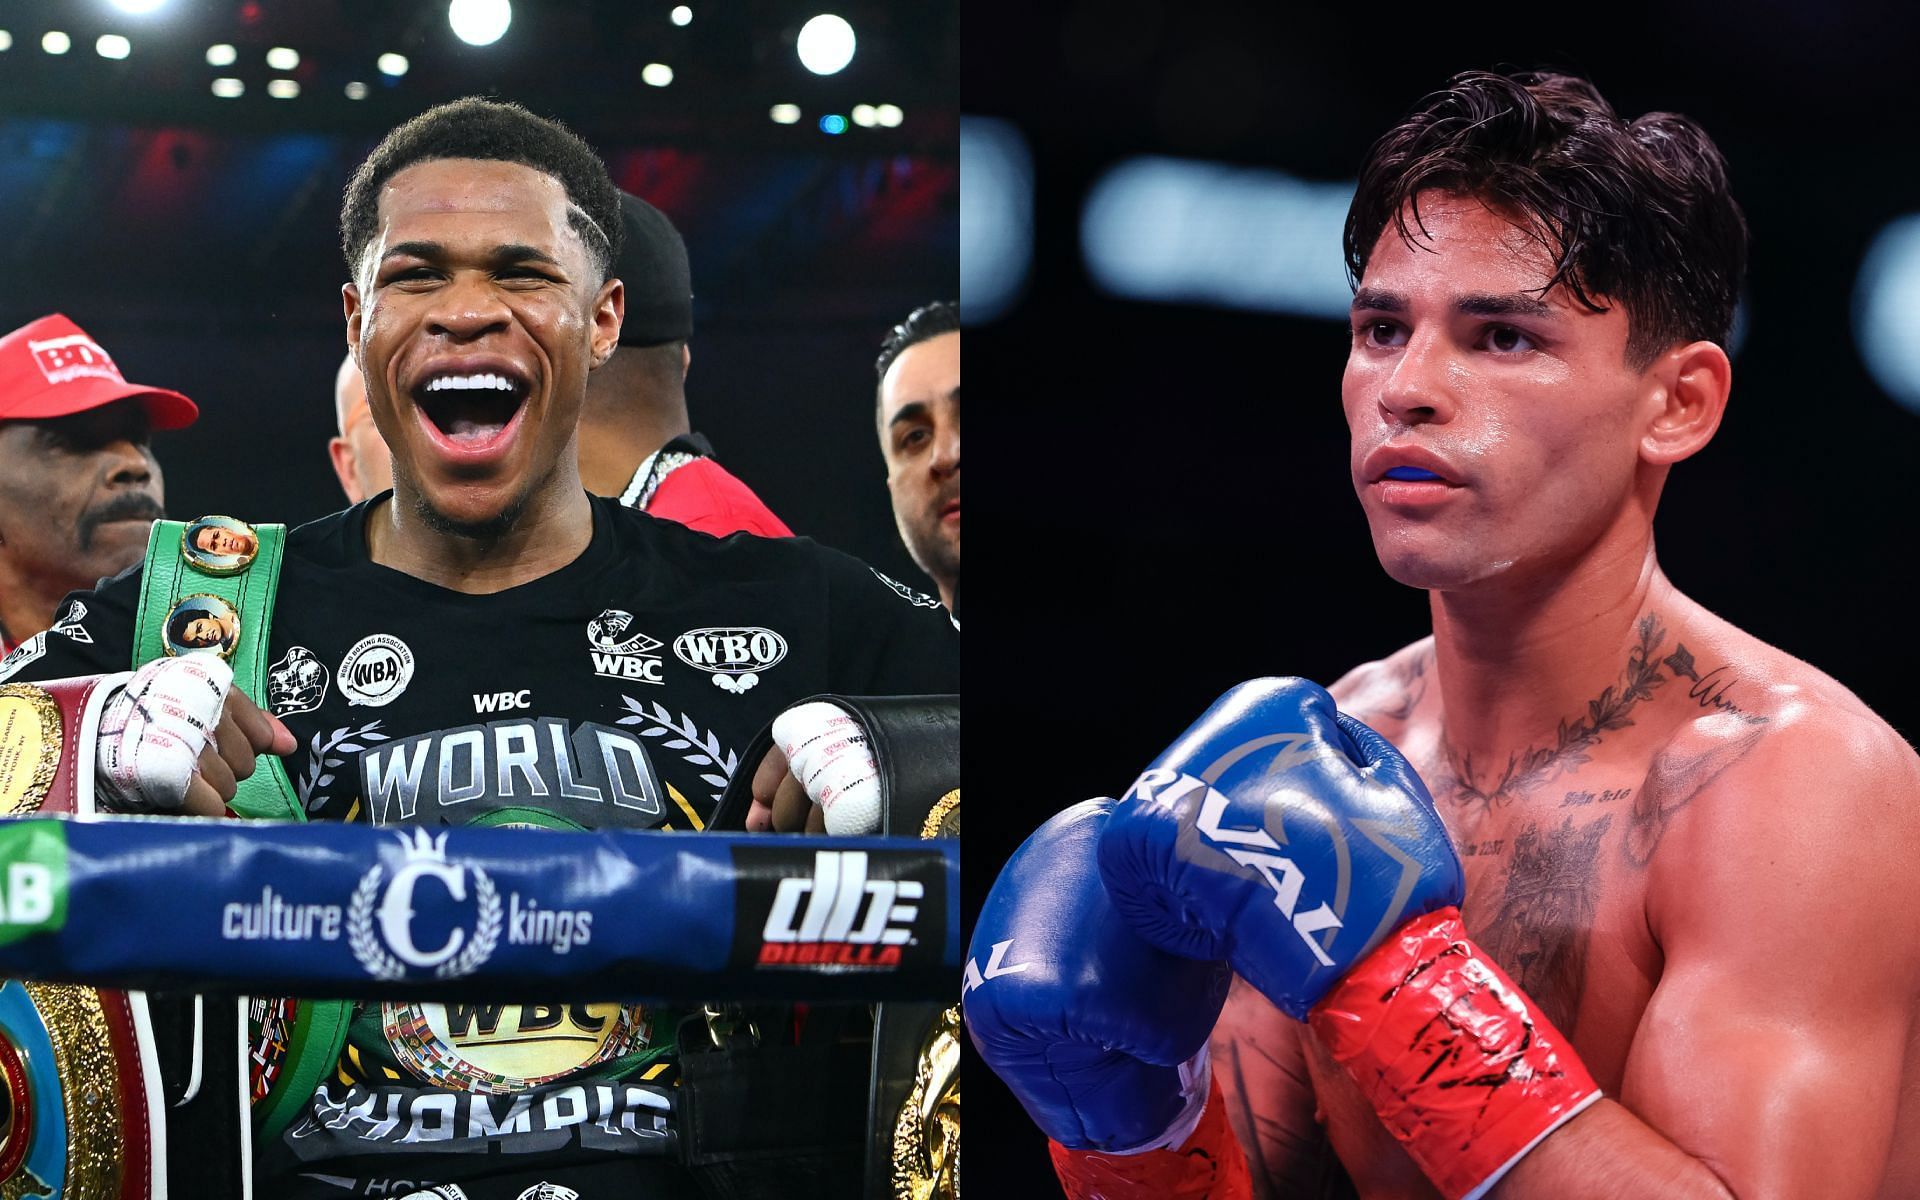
x: 383, y: 914
x: 734, y: 656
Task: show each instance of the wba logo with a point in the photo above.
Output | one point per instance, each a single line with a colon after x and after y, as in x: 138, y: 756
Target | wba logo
x: 837, y: 910
x: 375, y: 671
x: 619, y: 651
x: 734, y: 657
x: 1249, y: 847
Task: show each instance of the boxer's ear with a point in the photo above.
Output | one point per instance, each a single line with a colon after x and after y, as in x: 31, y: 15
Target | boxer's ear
x: 1685, y: 398
x: 350, y: 307
x: 609, y: 311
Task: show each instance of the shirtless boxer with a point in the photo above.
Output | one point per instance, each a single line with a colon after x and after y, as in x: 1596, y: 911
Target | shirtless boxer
x: 1676, y: 840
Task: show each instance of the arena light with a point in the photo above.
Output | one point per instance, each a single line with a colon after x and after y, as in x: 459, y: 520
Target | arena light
x: 1885, y: 297
x: 785, y: 114
x: 229, y: 89
x: 220, y: 54
x: 864, y: 116
x: 825, y: 44
x: 55, y: 42
x: 656, y: 74
x: 996, y: 217
x: 138, y: 8
x: 833, y: 124
x: 1174, y: 230
x: 394, y: 65
x: 6, y: 40
x: 112, y: 45
x: 480, y: 22
x: 682, y: 15
x: 283, y: 89
x: 283, y: 58
x: 889, y: 115
x: 356, y: 90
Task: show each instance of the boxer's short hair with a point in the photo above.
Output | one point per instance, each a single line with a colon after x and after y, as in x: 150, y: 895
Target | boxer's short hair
x: 1634, y: 212
x: 500, y: 131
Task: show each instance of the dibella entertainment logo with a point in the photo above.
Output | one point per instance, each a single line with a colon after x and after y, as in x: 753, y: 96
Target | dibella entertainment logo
x: 837, y: 910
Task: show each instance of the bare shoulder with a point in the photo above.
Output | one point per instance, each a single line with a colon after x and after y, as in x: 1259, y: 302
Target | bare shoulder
x: 1783, y: 776
x: 1384, y: 693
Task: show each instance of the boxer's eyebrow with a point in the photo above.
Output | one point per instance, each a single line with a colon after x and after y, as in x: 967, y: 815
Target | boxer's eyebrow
x: 916, y: 411
x: 426, y: 250
x: 515, y: 252
x: 1374, y: 300
x: 1518, y: 304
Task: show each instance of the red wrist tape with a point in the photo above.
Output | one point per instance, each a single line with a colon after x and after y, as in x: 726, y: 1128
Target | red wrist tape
x: 1456, y: 1060
x: 1207, y: 1166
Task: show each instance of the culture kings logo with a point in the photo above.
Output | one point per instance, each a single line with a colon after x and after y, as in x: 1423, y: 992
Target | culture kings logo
x: 430, y: 915
x: 836, y: 910
x: 619, y: 651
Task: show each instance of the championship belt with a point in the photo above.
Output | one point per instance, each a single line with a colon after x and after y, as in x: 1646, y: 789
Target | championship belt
x: 82, y: 1108
x: 227, y: 573
x: 913, y: 1100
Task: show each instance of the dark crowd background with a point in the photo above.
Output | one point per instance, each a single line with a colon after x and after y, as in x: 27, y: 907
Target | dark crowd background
x: 1167, y: 509
x: 196, y: 237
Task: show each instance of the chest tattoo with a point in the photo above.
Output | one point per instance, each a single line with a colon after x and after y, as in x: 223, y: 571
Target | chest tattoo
x: 1673, y: 780
x: 1540, y: 923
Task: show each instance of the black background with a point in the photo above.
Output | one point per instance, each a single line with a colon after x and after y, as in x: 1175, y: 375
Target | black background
x: 1167, y: 509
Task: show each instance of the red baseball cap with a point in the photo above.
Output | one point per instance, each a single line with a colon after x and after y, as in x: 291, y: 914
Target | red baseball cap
x: 51, y: 368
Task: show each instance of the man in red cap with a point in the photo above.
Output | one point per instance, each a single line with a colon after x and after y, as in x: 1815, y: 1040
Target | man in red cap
x: 78, y: 481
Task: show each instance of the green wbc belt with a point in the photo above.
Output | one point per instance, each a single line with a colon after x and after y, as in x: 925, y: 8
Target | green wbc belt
x: 198, y: 601
x: 208, y: 588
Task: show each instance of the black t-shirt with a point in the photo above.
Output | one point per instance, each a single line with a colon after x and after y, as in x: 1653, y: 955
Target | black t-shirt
x: 617, y: 691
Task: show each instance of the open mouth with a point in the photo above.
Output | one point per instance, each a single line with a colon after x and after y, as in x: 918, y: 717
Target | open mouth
x: 471, y: 411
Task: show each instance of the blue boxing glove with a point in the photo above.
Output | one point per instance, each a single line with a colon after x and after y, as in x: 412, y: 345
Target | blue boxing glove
x: 1281, y: 835
x: 1299, y: 845
x: 1101, y: 1036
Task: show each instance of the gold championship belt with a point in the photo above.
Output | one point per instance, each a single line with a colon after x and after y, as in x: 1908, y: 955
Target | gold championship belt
x: 500, y: 1049
x: 81, y: 1109
x: 925, y: 1153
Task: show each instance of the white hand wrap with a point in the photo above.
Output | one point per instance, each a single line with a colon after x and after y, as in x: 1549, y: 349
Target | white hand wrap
x: 827, y: 751
x: 152, y: 732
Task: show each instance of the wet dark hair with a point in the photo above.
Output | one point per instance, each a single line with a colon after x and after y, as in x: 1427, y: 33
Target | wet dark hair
x: 1635, y: 212
x: 927, y: 321
x: 503, y: 132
